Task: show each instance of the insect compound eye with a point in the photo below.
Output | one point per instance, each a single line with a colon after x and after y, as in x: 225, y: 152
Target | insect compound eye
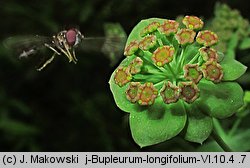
x: 79, y: 37
x: 71, y: 37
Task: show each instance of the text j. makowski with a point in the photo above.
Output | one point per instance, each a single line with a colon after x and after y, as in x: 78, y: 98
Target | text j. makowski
x: 50, y: 159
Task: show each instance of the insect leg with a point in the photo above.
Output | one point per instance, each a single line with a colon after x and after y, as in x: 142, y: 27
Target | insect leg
x: 74, y: 55
x: 69, y: 53
x: 47, y: 45
x: 65, y: 53
x: 47, y: 62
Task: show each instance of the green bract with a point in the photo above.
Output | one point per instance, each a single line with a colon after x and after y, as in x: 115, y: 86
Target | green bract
x: 173, y: 80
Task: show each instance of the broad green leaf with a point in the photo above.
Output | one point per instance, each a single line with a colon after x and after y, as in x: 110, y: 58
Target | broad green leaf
x: 220, y: 100
x: 245, y: 44
x: 199, y: 125
x: 232, y: 69
x: 157, y: 123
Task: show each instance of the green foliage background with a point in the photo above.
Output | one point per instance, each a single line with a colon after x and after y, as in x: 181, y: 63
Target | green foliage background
x: 69, y: 107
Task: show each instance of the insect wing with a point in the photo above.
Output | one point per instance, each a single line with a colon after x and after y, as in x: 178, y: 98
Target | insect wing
x: 113, y: 48
x: 29, y: 48
x: 25, y: 46
x: 111, y: 45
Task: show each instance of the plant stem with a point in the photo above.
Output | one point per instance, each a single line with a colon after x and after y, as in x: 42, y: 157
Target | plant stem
x: 151, y: 78
x: 168, y: 67
x: 151, y: 70
x: 235, y: 126
x: 220, y: 141
x: 218, y: 128
x: 194, y: 58
x: 159, y: 83
x: 183, y: 59
x: 179, y: 62
x: 180, y: 58
x: 159, y: 38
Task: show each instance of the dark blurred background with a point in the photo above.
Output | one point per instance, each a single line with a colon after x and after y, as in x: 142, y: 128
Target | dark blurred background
x: 68, y: 107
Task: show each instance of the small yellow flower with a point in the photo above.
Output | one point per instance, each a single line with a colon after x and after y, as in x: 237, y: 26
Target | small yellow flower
x: 150, y: 28
x: 192, y: 72
x: 122, y: 76
x: 207, y: 38
x: 163, y: 55
x: 131, y: 48
x: 185, y: 36
x: 208, y: 53
x: 148, y: 42
x: 132, y: 91
x: 170, y: 93
x: 147, y: 94
x: 189, y: 91
x: 193, y: 22
x: 135, y: 65
x: 212, y: 71
x: 168, y: 27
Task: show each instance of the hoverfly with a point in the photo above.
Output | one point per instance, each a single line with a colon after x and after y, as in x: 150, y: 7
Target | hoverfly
x: 64, y: 43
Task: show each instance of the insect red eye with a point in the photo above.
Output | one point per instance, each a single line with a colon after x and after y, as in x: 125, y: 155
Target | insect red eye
x: 71, y: 36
